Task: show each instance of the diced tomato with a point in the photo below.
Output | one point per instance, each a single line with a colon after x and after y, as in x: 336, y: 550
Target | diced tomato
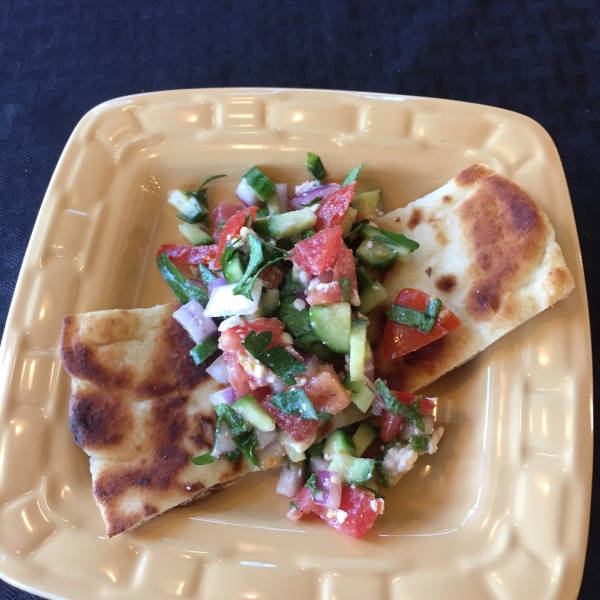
x: 305, y: 502
x: 390, y: 425
x: 317, y: 253
x: 332, y: 210
x: 295, y: 426
x: 326, y: 391
x: 374, y: 450
x: 221, y: 214
x: 361, y: 510
x: 345, y: 267
x: 325, y: 293
x: 189, y: 255
x: 399, y: 340
x: 238, y: 378
x: 272, y: 276
x: 426, y: 405
x: 232, y: 228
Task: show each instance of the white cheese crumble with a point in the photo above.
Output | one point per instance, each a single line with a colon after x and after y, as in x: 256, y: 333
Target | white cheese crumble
x: 287, y: 339
x: 299, y: 304
x: 436, y: 436
x: 398, y: 461
x: 229, y: 323
x: 314, y: 282
x: 341, y: 515
x: 306, y: 187
x: 354, y: 298
x: 300, y: 276
x: 252, y: 366
x: 369, y: 245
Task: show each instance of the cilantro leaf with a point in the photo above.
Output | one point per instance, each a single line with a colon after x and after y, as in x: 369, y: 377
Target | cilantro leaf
x: 203, y: 459
x: 314, y: 166
x: 397, y: 239
x: 234, y: 421
x: 246, y: 442
x: 410, y: 413
x: 180, y: 286
x: 422, y: 320
x: 352, y: 176
x: 297, y: 321
x: 295, y: 402
x: 277, y: 358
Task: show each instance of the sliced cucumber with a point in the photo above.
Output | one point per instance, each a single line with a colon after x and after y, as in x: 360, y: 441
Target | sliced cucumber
x: 372, y: 297
x: 187, y: 204
x: 367, y: 204
x: 261, y: 227
x: 233, y: 271
x: 354, y: 470
x: 332, y: 325
x: 376, y: 255
x: 337, y: 442
x: 273, y: 204
x: 348, y: 220
x: 366, y: 232
x: 254, y: 413
x: 362, y: 396
x: 269, y: 302
x: 291, y: 223
x: 358, y: 344
x: 365, y: 435
x: 194, y: 235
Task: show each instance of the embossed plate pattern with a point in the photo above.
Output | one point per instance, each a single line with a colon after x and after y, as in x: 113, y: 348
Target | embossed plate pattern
x: 500, y: 512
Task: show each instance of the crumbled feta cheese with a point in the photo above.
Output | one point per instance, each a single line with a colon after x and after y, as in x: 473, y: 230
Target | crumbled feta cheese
x: 314, y: 282
x: 374, y: 506
x: 229, y: 323
x: 299, y: 304
x: 301, y: 276
x: 354, y: 298
x: 436, y: 436
x: 300, y: 380
x: 306, y: 187
x: 253, y: 367
x: 244, y: 231
x: 287, y: 339
x: 369, y: 245
x: 398, y: 461
x: 341, y: 515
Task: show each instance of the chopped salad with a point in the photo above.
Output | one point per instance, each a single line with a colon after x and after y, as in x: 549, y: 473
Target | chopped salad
x: 276, y: 297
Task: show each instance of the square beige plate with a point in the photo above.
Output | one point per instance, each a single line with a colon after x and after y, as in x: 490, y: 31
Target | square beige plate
x: 500, y: 512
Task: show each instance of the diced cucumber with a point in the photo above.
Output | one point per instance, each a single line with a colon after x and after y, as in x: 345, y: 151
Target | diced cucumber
x: 372, y: 297
x: 337, y: 442
x: 367, y: 204
x: 295, y: 450
x: 351, y: 414
x: 194, y: 235
x: 273, y: 204
x: 366, y: 232
x: 353, y: 470
x: 187, y: 204
x: 365, y: 435
x: 376, y: 255
x: 269, y: 303
x: 358, y: 343
x: 362, y: 396
x: 254, y: 413
x: 290, y: 223
x: 332, y: 325
x: 233, y: 271
x: 261, y: 227
x: 348, y: 220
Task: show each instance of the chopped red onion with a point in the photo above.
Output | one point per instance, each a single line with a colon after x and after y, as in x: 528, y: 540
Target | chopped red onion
x: 291, y: 479
x: 319, y: 464
x: 322, y: 191
x: 224, y: 441
x: 226, y: 396
x: 218, y: 370
x: 331, y: 483
x: 215, y: 283
x: 192, y: 318
x: 264, y: 438
x: 282, y: 196
x: 246, y: 194
x: 294, y: 514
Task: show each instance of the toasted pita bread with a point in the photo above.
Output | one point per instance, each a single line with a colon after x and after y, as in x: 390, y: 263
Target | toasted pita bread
x: 489, y: 253
x: 139, y: 408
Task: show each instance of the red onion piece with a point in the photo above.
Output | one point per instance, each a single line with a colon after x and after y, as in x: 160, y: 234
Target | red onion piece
x: 192, y: 318
x: 226, y: 396
x: 323, y: 191
x: 291, y: 479
x: 282, y: 196
x: 332, y: 484
x: 319, y: 464
x: 246, y: 194
x: 218, y: 370
x: 264, y: 438
x: 215, y: 283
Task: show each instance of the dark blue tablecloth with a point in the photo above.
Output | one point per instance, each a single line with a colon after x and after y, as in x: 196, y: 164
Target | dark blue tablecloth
x: 59, y: 58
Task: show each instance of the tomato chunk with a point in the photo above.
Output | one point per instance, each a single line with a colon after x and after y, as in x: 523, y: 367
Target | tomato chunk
x: 189, y: 255
x: 332, y: 210
x: 220, y: 215
x: 317, y: 253
x: 299, y: 429
x: 272, y: 276
x: 399, y: 340
x: 390, y: 425
x: 361, y: 510
x: 325, y: 293
x: 305, y: 503
x: 326, y: 391
x: 345, y: 267
x: 231, y: 229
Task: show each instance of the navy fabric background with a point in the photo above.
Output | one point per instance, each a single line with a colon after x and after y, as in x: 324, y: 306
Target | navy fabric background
x: 59, y: 58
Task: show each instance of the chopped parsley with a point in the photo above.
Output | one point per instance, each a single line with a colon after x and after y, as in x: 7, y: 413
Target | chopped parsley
x: 422, y: 320
x: 419, y: 443
x: 295, y: 402
x: 314, y: 166
x: 203, y: 459
x: 410, y: 413
x: 396, y: 239
x: 351, y: 177
x: 180, y: 286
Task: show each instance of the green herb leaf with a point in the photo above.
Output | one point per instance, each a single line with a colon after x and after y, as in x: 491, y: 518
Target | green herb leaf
x: 189, y: 219
x: 397, y: 239
x: 314, y: 165
x: 422, y: 320
x: 234, y: 421
x: 345, y: 285
x: 203, y: 459
x: 293, y: 505
x: 260, y: 183
x: 324, y: 416
x: 419, y: 443
x: 234, y: 455
x: 352, y: 176
x: 297, y: 321
x: 246, y: 442
x: 202, y: 197
x: 375, y: 492
x: 398, y: 408
x: 205, y: 349
x: 277, y: 358
x: 295, y: 402
x: 183, y: 289
x: 206, y: 274
x: 311, y: 484
x: 314, y: 201
x: 207, y: 181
